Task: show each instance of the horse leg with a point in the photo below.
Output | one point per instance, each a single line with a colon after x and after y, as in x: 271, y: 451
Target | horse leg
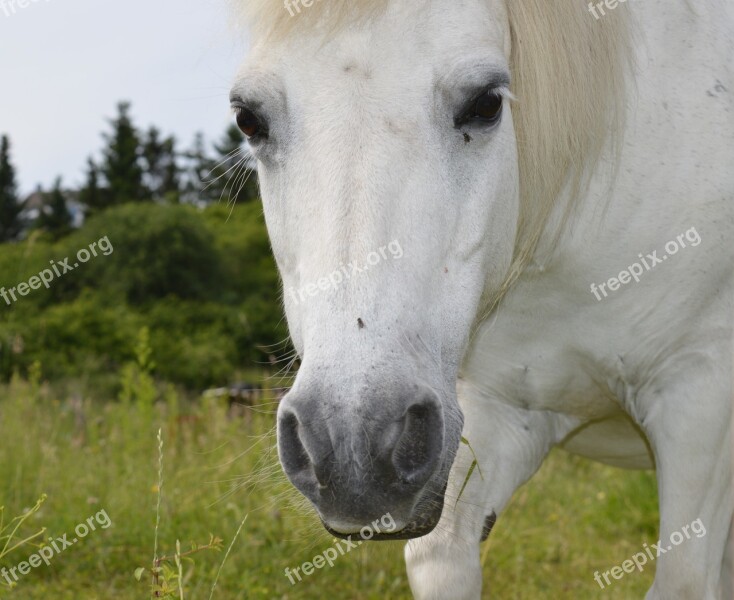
x: 688, y: 423
x: 510, y: 444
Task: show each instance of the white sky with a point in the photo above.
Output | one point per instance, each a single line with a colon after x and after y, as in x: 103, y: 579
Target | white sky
x: 64, y: 65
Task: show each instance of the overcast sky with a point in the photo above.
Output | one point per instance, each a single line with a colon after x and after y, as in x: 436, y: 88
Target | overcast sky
x: 66, y: 63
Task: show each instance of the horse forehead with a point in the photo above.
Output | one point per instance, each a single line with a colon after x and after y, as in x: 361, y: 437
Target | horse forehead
x: 403, y: 39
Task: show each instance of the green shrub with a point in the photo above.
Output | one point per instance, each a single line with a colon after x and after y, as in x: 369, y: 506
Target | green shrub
x: 203, y: 282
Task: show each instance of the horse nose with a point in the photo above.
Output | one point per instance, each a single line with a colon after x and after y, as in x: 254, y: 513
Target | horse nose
x: 418, y: 449
x: 346, y: 464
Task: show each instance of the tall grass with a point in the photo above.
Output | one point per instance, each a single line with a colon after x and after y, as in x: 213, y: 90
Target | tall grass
x: 575, y: 517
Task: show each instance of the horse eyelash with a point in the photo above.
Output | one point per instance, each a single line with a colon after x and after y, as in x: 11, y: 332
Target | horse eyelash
x: 505, y: 92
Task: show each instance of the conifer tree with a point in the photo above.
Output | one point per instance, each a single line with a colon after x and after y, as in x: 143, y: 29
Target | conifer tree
x: 10, y: 207
x: 55, y: 217
x: 198, y: 168
x: 121, y: 164
x: 162, y: 173
x: 93, y: 195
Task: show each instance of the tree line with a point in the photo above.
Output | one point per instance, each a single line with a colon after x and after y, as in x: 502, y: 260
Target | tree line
x: 134, y: 165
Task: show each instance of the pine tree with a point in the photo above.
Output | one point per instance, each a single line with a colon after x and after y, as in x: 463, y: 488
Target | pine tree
x: 198, y: 167
x: 92, y: 195
x: 10, y: 207
x: 55, y: 217
x: 162, y: 173
x: 121, y: 165
x: 171, y: 172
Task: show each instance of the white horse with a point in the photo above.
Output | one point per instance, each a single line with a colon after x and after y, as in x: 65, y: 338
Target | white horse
x: 560, y: 176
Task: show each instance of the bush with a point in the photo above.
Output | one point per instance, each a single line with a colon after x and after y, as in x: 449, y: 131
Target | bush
x: 82, y: 337
x: 203, y: 282
x: 159, y: 251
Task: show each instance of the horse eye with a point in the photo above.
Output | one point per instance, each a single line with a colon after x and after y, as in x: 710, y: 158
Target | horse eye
x: 248, y: 122
x: 485, y: 109
x: 488, y: 106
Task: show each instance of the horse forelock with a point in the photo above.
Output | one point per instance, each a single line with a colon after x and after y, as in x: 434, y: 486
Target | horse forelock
x: 270, y: 18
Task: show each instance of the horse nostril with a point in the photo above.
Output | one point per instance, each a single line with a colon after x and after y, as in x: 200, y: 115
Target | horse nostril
x: 299, y: 448
x: 418, y: 450
x: 293, y: 455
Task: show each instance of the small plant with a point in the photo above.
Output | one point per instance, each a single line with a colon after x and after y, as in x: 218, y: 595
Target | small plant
x: 167, y: 572
x: 10, y: 537
x: 474, y: 465
x: 137, y: 379
x: 34, y: 379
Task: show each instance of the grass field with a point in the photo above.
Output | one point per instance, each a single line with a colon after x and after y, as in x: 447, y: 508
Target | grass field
x: 573, y: 518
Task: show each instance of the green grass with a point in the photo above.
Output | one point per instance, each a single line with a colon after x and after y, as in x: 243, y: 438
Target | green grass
x: 573, y: 518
